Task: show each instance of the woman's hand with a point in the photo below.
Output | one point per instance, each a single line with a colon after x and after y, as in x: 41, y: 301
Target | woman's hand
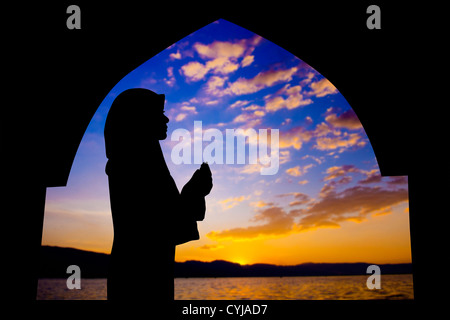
x: 200, y: 183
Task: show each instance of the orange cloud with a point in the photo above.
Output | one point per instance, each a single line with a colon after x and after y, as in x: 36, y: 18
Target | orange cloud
x: 211, y: 247
x: 342, y: 142
x: 325, y: 137
x: 294, y: 99
x: 322, y: 88
x: 194, y: 70
x: 339, y: 171
x: 262, y: 80
x: 221, y: 58
x: 175, y: 56
x: 260, y: 204
x: 232, y: 202
x: 347, y: 119
x: 298, y: 171
x: 353, y: 204
x: 239, y: 103
x: 220, y: 49
x: 295, y: 138
x: 248, y: 60
x: 278, y: 222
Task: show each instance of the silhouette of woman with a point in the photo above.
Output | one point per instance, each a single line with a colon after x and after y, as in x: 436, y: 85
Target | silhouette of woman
x: 150, y: 216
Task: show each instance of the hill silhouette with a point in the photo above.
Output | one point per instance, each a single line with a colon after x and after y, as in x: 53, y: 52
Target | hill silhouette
x: 55, y: 260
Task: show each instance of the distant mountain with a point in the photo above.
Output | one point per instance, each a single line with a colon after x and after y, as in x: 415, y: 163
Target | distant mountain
x: 220, y: 268
x: 55, y: 260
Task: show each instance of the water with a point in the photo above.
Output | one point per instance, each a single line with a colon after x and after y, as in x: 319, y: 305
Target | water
x: 56, y: 289
x: 269, y: 288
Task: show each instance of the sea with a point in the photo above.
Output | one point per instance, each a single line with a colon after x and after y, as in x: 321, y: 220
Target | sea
x: 398, y: 287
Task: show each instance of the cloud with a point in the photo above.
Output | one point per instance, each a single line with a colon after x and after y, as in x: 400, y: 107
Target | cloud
x: 322, y: 88
x: 239, y: 103
x: 324, y: 136
x: 400, y: 180
x: 180, y: 117
x: 260, y: 204
x: 248, y: 60
x: 347, y: 119
x: 319, y: 160
x: 285, y: 156
x: 330, y: 187
x: 339, y: 171
x: 330, y: 138
x: 298, y: 196
x: 189, y: 108
x: 211, y: 247
x: 288, y: 97
x: 170, y: 81
x: 372, y: 176
x: 294, y: 137
x: 175, y: 56
x: 298, y: 171
x: 299, y: 199
x: 186, y: 109
x: 352, y: 204
x: 251, y: 116
x: 250, y: 119
x: 276, y: 222
x: 215, y: 84
x: 252, y: 168
x: 221, y: 58
x: 194, y: 70
x: 222, y: 66
x: 329, y: 211
x: 220, y: 49
x: 262, y: 80
x: 342, y: 142
x: 232, y: 202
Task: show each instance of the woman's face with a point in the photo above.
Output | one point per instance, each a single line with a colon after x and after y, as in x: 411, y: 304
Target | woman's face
x: 161, y: 126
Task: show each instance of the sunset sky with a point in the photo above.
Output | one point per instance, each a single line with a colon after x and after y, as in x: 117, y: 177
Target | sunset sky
x: 326, y: 203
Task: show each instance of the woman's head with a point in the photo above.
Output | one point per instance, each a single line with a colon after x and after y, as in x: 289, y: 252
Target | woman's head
x: 135, y: 118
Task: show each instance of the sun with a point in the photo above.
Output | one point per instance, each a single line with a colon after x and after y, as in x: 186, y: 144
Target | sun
x: 240, y: 260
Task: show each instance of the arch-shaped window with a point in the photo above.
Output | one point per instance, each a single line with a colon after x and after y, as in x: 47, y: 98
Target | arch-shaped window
x: 324, y: 200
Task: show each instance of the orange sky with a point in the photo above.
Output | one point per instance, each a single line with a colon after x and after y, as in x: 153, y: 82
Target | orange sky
x: 380, y: 239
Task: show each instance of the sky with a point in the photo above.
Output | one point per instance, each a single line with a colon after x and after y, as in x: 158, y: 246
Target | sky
x: 326, y: 202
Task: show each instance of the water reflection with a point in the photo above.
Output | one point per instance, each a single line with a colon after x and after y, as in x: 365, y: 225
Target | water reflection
x: 293, y: 288
x: 270, y: 288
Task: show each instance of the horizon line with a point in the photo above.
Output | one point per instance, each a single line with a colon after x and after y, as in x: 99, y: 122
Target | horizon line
x: 246, y: 264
